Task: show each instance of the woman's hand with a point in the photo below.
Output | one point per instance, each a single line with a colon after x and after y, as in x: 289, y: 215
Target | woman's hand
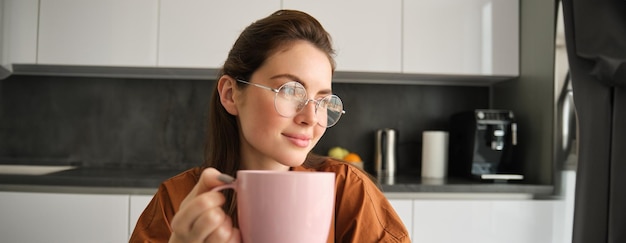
x: 201, y: 218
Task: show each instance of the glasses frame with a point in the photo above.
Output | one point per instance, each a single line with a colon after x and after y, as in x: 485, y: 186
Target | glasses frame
x: 317, y: 102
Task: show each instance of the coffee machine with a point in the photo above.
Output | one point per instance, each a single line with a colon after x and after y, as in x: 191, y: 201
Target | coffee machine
x: 483, y: 144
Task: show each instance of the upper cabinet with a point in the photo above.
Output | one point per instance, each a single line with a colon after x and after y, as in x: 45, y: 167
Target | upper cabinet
x: 199, y: 34
x: 100, y: 33
x: 19, y: 31
x: 418, y: 39
x: 3, y: 71
x: 464, y: 37
x: 366, y: 33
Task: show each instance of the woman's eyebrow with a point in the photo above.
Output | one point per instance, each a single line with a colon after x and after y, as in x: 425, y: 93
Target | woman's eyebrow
x: 287, y: 76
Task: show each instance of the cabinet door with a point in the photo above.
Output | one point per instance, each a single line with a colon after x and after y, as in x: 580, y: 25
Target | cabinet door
x: 95, y: 32
x: 366, y: 33
x: 19, y: 32
x: 461, y: 37
x: 483, y: 221
x: 50, y: 217
x: 137, y: 204
x: 404, y: 209
x: 3, y: 60
x: 521, y: 221
x: 195, y: 33
x: 442, y: 221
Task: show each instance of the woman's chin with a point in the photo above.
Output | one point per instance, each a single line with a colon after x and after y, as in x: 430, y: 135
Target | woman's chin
x: 294, y: 161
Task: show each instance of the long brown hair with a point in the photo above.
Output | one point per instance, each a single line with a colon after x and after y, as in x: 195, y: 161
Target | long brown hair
x: 255, y: 44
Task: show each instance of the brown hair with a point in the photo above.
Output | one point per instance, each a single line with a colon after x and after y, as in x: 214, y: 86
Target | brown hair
x: 255, y: 44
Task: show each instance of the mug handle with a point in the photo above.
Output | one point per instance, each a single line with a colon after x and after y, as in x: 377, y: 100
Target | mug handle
x: 224, y: 187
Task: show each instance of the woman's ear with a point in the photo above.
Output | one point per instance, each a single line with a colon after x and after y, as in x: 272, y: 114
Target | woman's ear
x: 226, y: 88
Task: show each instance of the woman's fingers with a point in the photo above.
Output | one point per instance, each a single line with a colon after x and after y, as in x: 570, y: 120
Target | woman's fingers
x: 207, y: 223
x: 194, y: 209
x: 235, y: 236
x: 208, y: 180
x: 200, y: 217
x: 224, y: 233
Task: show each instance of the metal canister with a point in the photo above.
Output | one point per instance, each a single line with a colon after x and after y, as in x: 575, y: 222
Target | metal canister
x: 385, y: 155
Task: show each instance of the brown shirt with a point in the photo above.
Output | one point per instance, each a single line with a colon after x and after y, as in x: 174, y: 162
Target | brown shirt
x: 362, y: 213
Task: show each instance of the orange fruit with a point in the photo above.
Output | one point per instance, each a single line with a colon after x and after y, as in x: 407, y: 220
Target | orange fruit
x: 352, y: 157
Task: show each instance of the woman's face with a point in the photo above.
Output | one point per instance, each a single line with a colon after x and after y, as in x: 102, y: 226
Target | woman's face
x: 269, y: 140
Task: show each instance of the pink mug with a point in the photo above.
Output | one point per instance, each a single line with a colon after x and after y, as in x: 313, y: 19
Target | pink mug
x: 284, y: 206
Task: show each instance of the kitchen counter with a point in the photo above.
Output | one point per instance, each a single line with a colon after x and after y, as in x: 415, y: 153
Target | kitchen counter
x: 146, y: 181
x: 414, y: 187
x: 90, y: 180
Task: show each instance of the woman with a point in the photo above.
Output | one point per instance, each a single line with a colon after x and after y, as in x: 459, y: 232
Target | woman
x: 271, y: 105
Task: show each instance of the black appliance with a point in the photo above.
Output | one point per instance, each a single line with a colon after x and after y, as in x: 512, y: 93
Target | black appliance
x: 482, y: 145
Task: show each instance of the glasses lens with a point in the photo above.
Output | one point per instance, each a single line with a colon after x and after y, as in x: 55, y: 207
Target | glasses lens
x: 290, y: 98
x: 329, y: 110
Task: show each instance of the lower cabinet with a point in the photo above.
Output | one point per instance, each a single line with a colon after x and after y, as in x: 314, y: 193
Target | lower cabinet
x: 484, y: 221
x: 65, y: 217
x: 404, y: 209
x: 137, y: 204
x: 58, y: 217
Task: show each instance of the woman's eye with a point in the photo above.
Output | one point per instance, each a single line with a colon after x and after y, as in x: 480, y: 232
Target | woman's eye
x: 288, y: 90
x: 323, y: 102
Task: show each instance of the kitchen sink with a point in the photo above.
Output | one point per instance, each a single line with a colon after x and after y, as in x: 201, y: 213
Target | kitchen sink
x: 33, y: 169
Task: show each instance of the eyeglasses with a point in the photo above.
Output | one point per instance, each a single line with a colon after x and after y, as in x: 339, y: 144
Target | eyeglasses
x: 291, y: 98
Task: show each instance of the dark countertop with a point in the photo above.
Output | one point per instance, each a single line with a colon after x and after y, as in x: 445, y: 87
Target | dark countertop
x: 463, y: 185
x: 149, y: 180
x: 96, y: 177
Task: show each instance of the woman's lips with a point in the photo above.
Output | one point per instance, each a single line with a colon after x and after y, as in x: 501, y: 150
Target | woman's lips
x: 299, y: 140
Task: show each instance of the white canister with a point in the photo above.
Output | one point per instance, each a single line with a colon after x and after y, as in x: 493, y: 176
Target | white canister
x: 434, y: 154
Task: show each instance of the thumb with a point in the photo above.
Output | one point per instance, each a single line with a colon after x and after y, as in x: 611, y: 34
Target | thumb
x: 209, y: 179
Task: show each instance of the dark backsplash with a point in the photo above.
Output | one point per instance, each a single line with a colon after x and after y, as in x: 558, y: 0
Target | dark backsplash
x: 159, y: 123
x: 104, y: 122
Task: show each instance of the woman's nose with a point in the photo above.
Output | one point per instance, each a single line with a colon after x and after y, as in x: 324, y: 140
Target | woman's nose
x: 308, y: 114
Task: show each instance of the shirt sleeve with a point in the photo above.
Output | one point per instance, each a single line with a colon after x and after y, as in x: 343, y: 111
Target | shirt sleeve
x: 363, y: 213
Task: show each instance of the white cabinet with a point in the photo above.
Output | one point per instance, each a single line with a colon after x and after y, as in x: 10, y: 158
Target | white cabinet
x: 366, y: 33
x: 482, y: 221
x: 451, y: 221
x: 523, y: 221
x: 564, y: 209
x: 199, y: 34
x: 137, y: 204
x: 61, y: 217
x: 462, y: 37
x: 404, y: 209
x: 55, y: 217
x: 19, y: 31
x: 96, y: 32
x: 3, y: 63
x: 444, y: 37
